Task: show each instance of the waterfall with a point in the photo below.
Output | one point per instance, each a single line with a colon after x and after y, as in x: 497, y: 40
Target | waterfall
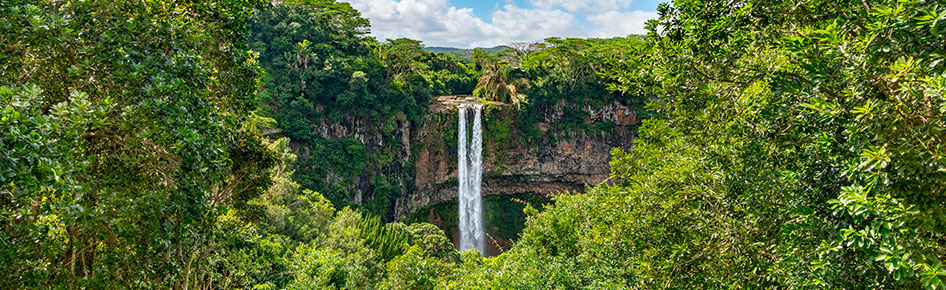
x: 469, y: 174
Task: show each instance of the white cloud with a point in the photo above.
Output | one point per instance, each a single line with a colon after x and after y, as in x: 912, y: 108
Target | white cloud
x: 515, y: 24
x: 615, y: 23
x: 590, y: 7
x: 438, y: 23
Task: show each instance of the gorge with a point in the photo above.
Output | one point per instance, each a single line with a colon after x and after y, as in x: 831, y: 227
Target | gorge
x: 279, y: 145
x: 515, y: 169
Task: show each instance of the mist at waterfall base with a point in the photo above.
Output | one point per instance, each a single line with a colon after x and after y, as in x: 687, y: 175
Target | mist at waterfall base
x: 469, y: 175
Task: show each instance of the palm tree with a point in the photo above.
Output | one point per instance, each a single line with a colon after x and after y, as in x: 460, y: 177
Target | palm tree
x: 299, y: 60
x: 502, y: 82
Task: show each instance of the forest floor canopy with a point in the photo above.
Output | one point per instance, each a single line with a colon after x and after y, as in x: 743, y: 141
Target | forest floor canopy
x: 789, y: 144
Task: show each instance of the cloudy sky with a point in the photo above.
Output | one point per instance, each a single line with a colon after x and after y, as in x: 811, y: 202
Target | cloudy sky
x: 486, y: 23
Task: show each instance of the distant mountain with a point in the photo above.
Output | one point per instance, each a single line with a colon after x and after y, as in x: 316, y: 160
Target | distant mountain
x: 467, y: 52
x: 442, y: 49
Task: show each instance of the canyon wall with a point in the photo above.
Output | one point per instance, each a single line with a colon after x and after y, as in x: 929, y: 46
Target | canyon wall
x: 513, y: 165
x: 416, y: 162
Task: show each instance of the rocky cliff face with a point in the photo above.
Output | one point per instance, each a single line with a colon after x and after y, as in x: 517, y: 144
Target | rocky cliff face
x: 419, y: 160
x: 404, y: 170
x: 512, y: 166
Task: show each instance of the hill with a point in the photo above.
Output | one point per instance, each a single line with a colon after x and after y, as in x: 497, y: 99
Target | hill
x: 467, y: 52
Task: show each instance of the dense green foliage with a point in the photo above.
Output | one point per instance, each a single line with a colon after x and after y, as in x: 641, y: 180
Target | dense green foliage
x: 322, y: 70
x: 121, y: 139
x: 801, y: 149
x: 130, y: 155
x: 565, y: 77
x: 792, y: 145
x: 503, y: 215
x: 832, y: 123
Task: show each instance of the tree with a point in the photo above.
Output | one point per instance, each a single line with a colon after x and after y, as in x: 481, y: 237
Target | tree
x: 502, y: 82
x: 522, y: 49
x: 402, y: 56
x: 796, y: 146
x: 123, y: 140
x: 829, y: 141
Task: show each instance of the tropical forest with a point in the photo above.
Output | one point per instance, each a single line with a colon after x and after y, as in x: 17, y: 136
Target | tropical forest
x: 555, y: 144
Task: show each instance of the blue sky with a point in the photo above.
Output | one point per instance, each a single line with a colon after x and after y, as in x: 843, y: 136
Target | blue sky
x: 471, y: 23
x: 483, y: 9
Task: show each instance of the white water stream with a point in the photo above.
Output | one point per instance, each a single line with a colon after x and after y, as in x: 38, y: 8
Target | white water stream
x: 469, y: 174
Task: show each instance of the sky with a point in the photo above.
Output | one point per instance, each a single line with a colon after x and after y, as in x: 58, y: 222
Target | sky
x: 487, y: 23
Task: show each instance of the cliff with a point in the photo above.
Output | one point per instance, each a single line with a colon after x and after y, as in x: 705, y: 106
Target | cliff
x: 404, y: 170
x: 512, y: 165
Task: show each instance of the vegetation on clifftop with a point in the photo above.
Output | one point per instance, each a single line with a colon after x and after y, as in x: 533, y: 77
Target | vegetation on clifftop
x: 322, y: 70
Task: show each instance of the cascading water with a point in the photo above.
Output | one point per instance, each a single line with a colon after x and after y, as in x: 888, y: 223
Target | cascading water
x: 469, y: 174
